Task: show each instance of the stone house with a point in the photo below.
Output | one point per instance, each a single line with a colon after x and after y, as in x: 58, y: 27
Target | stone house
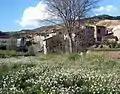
x: 92, y: 34
x: 4, y: 41
x: 8, y: 42
x: 45, y: 40
x: 99, y: 33
x: 60, y: 39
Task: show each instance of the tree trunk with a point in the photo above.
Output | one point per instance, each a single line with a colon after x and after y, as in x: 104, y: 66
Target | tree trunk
x: 70, y: 44
x: 45, y: 47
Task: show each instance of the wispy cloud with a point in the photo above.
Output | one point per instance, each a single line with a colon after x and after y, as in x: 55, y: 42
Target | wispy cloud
x: 108, y: 9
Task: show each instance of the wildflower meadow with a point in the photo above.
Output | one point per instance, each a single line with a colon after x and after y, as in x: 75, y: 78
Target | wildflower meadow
x: 94, y: 73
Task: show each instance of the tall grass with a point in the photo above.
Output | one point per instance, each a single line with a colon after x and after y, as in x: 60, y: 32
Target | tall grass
x: 60, y: 74
x: 10, y: 53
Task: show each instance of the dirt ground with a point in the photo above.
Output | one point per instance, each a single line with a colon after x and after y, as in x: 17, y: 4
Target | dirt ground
x: 113, y: 54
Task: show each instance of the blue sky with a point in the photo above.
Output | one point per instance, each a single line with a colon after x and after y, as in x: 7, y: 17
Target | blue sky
x: 27, y: 14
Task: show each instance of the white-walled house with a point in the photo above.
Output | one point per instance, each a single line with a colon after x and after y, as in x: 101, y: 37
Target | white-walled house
x: 116, y: 32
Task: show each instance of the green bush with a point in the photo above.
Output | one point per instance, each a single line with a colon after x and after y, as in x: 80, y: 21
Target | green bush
x: 74, y: 56
x: 117, y: 45
x: 31, y: 50
x: 112, y: 45
x: 47, y: 57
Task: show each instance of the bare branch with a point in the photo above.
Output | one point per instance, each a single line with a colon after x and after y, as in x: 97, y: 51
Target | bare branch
x: 71, y: 12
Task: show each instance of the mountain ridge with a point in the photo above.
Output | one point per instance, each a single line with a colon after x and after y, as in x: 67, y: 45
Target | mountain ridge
x: 88, y: 20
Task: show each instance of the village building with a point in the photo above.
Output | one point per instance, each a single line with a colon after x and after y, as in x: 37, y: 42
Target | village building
x: 92, y: 35
x: 4, y: 41
x: 53, y: 38
x: 99, y: 33
x: 113, y: 27
x: 7, y: 42
x: 116, y: 32
x: 45, y: 40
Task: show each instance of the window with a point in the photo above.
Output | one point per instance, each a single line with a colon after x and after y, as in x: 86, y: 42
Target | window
x: 60, y: 33
x: 98, y: 31
x: 99, y: 38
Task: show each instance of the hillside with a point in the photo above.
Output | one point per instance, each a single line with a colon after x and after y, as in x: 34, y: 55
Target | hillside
x: 106, y: 19
x: 108, y: 23
x: 103, y: 20
x: 96, y: 19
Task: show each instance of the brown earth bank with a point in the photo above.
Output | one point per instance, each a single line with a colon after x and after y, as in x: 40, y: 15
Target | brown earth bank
x: 112, y: 54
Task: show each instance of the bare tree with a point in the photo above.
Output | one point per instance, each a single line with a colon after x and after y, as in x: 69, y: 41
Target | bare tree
x: 70, y: 12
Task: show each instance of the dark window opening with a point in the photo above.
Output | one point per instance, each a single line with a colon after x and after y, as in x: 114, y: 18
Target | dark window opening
x: 98, y: 31
x: 60, y: 33
x: 99, y: 39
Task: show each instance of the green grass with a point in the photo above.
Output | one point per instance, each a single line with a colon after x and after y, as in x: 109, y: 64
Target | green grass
x: 10, y: 53
x: 60, y: 74
x: 105, y: 49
